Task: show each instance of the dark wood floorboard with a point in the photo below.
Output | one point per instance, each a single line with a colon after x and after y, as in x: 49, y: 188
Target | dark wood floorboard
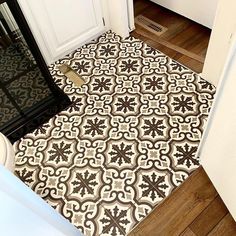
x: 193, y: 209
x: 184, y: 41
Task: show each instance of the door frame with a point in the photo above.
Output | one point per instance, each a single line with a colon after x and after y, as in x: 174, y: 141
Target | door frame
x: 224, y: 28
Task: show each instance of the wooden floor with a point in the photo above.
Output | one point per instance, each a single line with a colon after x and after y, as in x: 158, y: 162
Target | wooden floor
x: 184, y: 41
x: 193, y: 209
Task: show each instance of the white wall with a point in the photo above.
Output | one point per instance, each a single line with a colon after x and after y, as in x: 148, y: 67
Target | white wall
x: 201, y: 11
x: 220, y: 41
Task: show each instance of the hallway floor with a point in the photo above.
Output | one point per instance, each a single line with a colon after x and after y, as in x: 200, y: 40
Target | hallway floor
x: 127, y: 141
x: 185, y: 41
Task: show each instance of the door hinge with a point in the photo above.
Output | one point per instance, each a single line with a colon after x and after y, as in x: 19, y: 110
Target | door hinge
x: 103, y: 20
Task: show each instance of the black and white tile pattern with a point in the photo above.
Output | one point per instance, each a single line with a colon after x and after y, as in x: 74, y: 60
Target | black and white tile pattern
x: 127, y: 141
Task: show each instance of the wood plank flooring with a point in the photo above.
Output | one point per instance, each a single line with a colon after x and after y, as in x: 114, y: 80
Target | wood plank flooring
x: 194, y: 209
x: 184, y: 41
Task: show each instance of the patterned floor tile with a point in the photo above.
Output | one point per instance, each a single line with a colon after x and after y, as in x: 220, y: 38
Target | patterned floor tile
x: 28, y: 174
x: 95, y: 127
x: 30, y: 151
x: 52, y: 183
x: 154, y: 128
x: 126, y: 105
x: 60, y: 152
x: 85, y: 215
x: 126, y: 142
x: 156, y: 83
x: 124, y: 127
x: 90, y: 153
x: 154, y: 186
x: 102, y: 85
x: 121, y: 154
x: 118, y: 185
x: 99, y: 105
x: 183, y: 155
x: 127, y: 84
x: 154, y: 156
x: 178, y: 176
x: 117, y: 219
x: 84, y: 183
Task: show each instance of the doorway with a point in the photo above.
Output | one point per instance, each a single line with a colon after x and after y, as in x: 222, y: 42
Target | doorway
x: 175, y: 35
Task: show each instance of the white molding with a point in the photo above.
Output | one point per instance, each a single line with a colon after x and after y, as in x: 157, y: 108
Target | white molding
x: 130, y: 9
x: 106, y: 14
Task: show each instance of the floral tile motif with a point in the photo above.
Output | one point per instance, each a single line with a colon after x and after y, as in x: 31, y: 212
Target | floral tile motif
x: 94, y: 127
x: 121, y: 154
x: 154, y: 186
x: 102, y: 85
x: 183, y: 155
x: 125, y: 143
x: 126, y: 105
x: 84, y: 183
x: 117, y: 218
x: 60, y: 152
x: 154, y: 128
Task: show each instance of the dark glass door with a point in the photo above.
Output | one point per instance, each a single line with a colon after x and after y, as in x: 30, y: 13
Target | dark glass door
x: 28, y: 95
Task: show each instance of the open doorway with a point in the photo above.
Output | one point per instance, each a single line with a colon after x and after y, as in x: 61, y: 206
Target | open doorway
x: 180, y: 38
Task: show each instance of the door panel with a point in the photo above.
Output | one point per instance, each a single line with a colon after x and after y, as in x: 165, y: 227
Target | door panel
x: 217, y: 150
x: 62, y: 26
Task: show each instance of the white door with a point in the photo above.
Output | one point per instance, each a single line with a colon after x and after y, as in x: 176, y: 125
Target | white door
x: 217, y: 150
x: 60, y: 27
x: 218, y: 147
